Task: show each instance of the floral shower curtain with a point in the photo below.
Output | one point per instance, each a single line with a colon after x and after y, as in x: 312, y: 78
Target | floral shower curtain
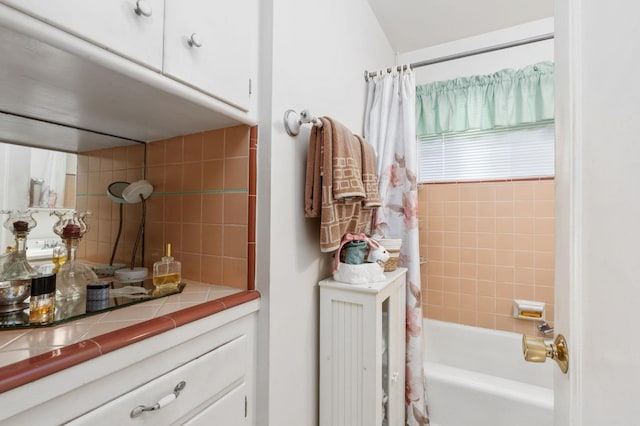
x: 390, y: 126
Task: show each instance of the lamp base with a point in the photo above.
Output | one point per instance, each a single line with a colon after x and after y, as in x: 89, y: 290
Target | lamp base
x: 107, y: 270
x: 128, y: 274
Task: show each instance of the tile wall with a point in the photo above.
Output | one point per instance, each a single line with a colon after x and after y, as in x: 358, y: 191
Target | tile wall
x: 96, y: 170
x: 485, y: 244
x: 200, y: 204
x: 204, y: 189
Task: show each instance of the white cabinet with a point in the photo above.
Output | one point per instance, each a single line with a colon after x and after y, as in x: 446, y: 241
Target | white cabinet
x: 205, y: 45
x: 362, y: 352
x: 112, y: 24
x: 208, y: 47
x: 210, y: 364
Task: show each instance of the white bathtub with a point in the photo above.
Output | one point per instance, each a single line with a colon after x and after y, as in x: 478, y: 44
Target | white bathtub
x: 478, y: 377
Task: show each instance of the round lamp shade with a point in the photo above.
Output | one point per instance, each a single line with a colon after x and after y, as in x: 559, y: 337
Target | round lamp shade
x: 133, y: 191
x: 131, y: 274
x: 115, y: 190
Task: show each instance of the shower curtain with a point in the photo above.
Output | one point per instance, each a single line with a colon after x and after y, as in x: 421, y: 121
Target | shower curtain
x: 390, y: 126
x: 54, y: 172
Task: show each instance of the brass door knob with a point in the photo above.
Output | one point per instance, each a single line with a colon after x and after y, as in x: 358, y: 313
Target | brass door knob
x: 535, y: 349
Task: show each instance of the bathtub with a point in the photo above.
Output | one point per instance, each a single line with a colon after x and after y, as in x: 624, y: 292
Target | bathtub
x: 478, y: 377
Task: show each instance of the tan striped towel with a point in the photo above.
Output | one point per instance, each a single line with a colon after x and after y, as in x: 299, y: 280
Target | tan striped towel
x: 339, y: 187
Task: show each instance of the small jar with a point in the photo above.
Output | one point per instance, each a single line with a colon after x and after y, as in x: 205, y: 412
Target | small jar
x: 98, y: 290
x: 97, y: 296
x: 43, y: 299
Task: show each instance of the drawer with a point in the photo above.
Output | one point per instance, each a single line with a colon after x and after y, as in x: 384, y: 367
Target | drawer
x: 207, y: 378
x: 230, y: 410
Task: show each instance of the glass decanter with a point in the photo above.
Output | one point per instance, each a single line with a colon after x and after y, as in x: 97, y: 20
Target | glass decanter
x: 73, y: 277
x: 19, y: 223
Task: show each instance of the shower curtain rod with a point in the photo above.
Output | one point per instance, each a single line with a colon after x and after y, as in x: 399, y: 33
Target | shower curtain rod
x: 488, y: 49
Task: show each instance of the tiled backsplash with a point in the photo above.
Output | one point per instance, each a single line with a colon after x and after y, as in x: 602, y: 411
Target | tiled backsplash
x: 487, y: 243
x: 96, y: 170
x: 202, y: 203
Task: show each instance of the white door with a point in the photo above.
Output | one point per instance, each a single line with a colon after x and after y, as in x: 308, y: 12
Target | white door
x: 598, y: 211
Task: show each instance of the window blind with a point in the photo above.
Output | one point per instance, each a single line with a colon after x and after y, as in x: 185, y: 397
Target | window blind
x: 506, y: 153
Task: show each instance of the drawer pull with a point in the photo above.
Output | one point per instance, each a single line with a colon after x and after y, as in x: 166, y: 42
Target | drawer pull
x: 163, y: 402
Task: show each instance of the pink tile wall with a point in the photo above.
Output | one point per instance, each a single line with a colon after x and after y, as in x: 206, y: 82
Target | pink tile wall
x: 203, y: 203
x: 96, y: 170
x: 485, y: 244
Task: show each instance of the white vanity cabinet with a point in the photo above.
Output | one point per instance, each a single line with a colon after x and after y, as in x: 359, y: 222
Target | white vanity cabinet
x: 362, y: 352
x: 201, y: 373
x: 131, y: 28
x: 208, y: 45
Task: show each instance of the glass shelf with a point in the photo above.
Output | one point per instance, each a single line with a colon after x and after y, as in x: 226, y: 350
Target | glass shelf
x: 17, y: 316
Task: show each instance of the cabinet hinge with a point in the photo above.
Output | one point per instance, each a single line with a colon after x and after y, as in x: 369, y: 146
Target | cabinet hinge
x: 249, y: 86
x: 245, y: 406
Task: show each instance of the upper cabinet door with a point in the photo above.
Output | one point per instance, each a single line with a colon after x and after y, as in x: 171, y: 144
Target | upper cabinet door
x: 130, y: 28
x: 207, y: 45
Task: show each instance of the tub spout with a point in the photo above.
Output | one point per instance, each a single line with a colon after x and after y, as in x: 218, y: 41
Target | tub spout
x: 545, y: 328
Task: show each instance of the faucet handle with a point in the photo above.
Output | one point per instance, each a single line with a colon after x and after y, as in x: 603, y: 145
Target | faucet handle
x: 545, y: 328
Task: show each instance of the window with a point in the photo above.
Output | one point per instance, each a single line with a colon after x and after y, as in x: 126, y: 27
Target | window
x: 525, y: 151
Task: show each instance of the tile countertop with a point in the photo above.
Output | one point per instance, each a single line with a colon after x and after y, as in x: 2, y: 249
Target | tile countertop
x: 29, y: 354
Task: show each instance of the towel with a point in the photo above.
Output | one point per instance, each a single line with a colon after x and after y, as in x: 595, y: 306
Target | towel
x: 313, y: 181
x: 337, y: 162
x: 346, y: 162
x: 369, y: 175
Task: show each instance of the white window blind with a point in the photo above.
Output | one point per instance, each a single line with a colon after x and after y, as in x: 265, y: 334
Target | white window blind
x: 508, y: 153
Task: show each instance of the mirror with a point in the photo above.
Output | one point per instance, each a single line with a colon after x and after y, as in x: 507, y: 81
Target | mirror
x: 38, y: 179
x: 119, y: 295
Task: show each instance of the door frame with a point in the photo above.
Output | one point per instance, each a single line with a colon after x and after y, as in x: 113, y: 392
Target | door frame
x: 568, y: 206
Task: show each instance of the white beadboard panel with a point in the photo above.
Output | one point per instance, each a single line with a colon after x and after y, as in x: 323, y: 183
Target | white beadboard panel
x: 347, y: 370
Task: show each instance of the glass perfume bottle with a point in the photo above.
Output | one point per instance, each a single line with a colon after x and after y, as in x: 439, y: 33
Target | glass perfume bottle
x: 42, y: 302
x: 167, y: 271
x: 19, y: 223
x: 73, y: 276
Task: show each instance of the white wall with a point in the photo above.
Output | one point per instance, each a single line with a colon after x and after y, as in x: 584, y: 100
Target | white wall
x: 486, y: 63
x: 313, y: 55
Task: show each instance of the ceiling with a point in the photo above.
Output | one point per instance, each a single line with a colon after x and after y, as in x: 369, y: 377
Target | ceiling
x: 416, y: 24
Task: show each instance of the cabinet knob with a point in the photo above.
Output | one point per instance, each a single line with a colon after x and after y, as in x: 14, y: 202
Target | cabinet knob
x: 194, y: 40
x: 143, y: 8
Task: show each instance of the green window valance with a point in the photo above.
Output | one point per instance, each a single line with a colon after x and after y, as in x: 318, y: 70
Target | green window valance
x: 505, y: 98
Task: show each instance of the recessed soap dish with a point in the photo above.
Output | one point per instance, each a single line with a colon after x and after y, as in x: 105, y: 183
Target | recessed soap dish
x: 528, y: 310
